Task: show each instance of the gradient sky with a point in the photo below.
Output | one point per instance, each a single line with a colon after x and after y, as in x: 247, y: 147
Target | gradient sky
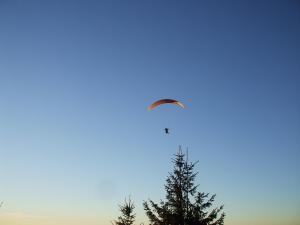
x: 76, y: 78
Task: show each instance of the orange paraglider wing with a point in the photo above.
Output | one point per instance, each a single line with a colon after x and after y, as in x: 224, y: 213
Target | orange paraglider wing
x: 165, y: 101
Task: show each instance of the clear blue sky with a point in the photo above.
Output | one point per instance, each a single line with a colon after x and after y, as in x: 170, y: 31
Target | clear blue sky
x: 76, y: 78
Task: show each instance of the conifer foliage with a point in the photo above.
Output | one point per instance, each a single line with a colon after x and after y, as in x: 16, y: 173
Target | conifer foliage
x: 184, y: 204
x: 127, y: 214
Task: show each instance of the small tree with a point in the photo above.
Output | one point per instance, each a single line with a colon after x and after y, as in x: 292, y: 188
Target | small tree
x: 127, y: 216
x: 184, y: 205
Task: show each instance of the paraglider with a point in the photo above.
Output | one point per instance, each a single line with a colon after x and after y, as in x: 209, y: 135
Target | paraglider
x: 165, y: 101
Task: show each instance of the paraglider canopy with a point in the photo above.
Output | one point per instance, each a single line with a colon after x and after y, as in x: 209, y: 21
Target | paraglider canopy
x: 165, y: 101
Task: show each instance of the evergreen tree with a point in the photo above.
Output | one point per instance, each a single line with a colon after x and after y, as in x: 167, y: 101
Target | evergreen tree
x: 184, y: 205
x: 127, y: 215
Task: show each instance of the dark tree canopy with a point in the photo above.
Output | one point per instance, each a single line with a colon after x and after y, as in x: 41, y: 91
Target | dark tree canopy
x: 184, y: 204
x: 127, y: 215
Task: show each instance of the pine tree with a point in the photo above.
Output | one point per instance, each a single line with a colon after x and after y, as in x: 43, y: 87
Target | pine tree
x: 184, y: 205
x: 127, y: 215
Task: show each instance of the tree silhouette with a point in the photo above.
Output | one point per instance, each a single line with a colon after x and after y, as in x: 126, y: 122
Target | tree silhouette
x: 184, y: 205
x: 127, y: 216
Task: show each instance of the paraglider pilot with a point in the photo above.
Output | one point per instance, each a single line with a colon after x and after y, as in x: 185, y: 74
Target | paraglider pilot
x: 167, y: 130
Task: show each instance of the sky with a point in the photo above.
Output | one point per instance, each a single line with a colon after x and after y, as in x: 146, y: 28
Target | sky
x: 76, y: 78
